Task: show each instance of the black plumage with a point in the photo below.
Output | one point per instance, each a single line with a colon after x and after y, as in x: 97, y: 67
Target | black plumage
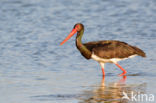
x: 113, y: 49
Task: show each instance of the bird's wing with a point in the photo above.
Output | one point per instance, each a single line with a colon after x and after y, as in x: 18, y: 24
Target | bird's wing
x: 111, y: 49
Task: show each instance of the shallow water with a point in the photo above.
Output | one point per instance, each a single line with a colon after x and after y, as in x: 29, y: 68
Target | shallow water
x: 35, y: 69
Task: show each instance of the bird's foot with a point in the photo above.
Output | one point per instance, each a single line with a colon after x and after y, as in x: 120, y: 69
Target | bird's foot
x: 122, y: 74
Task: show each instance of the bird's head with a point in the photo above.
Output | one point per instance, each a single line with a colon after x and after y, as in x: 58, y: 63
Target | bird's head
x: 77, y: 28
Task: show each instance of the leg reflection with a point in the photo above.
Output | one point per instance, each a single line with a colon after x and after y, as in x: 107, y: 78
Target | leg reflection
x: 123, y: 79
x: 111, y: 92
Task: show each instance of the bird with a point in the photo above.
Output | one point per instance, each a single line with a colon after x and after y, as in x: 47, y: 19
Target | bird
x: 104, y: 51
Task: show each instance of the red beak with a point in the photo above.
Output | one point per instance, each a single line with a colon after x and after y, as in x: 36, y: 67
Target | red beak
x: 69, y: 36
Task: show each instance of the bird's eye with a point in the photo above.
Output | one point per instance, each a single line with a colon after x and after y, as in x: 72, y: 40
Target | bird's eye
x: 77, y: 27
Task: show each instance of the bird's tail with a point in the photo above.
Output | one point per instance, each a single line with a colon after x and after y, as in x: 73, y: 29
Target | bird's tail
x: 139, y: 52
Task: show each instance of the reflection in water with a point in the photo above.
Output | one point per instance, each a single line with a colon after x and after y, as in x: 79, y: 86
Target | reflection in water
x: 116, y: 92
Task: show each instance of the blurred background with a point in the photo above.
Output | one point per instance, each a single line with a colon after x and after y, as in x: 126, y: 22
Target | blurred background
x: 34, y: 68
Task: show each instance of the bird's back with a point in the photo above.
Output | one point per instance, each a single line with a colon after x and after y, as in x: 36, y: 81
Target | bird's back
x: 113, y: 49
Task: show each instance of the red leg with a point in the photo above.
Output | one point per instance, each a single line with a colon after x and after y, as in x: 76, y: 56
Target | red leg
x: 123, y: 79
x: 103, y: 72
x: 124, y: 71
x: 103, y: 81
x: 102, y: 68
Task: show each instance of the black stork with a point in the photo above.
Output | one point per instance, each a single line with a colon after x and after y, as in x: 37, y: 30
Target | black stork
x: 107, y: 51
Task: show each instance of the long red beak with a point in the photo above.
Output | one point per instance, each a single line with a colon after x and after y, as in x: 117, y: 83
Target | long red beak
x: 69, y: 36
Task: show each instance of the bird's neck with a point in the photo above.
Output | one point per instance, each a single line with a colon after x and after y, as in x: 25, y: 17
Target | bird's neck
x: 79, y: 37
x: 82, y: 48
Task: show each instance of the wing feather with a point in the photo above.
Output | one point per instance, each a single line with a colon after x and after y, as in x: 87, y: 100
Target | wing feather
x: 111, y: 49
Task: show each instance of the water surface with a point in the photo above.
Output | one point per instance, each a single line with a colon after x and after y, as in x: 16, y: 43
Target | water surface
x: 35, y: 69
